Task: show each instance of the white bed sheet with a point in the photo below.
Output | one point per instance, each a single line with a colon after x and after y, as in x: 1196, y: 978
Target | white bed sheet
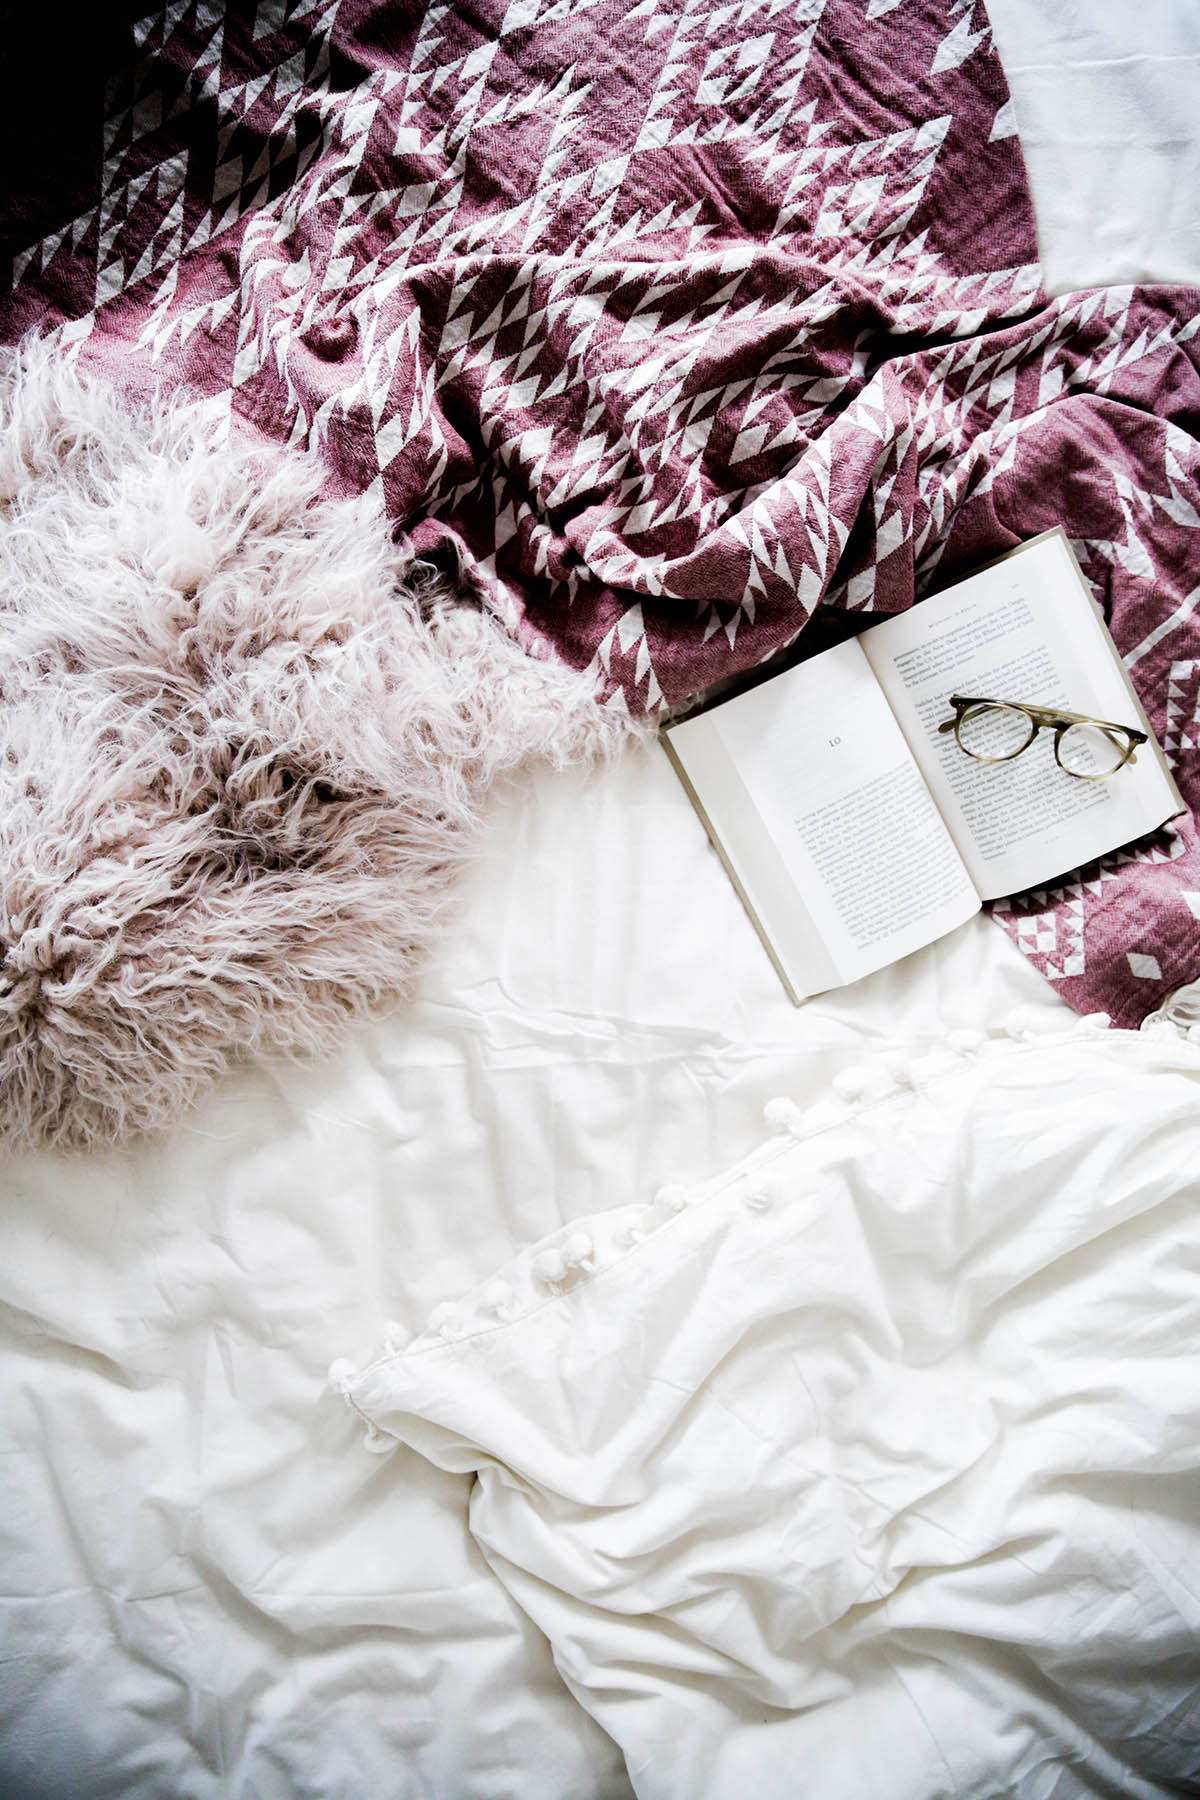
x: 205, y: 1587
x: 1105, y: 98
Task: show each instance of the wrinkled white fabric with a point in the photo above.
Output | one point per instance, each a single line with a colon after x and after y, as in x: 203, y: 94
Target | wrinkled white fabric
x: 206, y: 1588
x: 870, y: 1468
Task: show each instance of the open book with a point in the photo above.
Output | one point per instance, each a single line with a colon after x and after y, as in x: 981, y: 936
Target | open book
x: 856, y: 831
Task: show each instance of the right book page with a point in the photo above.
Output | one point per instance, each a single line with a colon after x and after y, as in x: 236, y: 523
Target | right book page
x: 1025, y: 628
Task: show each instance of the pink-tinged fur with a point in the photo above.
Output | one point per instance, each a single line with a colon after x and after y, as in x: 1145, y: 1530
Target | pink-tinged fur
x: 243, y: 749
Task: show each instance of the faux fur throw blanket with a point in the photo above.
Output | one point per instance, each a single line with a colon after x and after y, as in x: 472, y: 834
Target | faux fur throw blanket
x: 243, y: 748
x: 678, y: 318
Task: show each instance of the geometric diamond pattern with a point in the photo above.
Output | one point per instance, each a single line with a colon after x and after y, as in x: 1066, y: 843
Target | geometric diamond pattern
x: 674, y: 320
x: 584, y: 286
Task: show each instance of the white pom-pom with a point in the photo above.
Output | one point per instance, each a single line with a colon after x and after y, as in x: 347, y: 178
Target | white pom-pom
x: 850, y: 1084
x: 965, y: 1041
x: 497, y: 1298
x: 898, y: 1068
x: 445, y: 1320
x: 777, y: 1113
x: 1022, y: 1023
x: 577, y: 1249
x: 1097, y: 1021
x: 395, y: 1336
x: 785, y: 1115
x: 549, y: 1268
x: 673, y: 1197
x: 341, y: 1375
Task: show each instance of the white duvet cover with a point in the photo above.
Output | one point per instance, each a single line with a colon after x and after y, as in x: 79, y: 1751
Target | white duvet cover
x: 207, y: 1588
x: 871, y: 1467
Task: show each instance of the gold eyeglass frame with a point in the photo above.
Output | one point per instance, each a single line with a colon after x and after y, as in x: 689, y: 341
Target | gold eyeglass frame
x: 1125, y: 738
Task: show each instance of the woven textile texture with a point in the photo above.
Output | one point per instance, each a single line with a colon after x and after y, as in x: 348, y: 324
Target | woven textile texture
x: 678, y: 320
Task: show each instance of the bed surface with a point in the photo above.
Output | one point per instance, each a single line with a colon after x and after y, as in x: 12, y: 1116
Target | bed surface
x: 206, y: 1586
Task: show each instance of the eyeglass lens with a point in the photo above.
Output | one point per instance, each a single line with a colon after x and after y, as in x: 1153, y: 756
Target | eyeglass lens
x: 994, y: 733
x: 1090, y: 750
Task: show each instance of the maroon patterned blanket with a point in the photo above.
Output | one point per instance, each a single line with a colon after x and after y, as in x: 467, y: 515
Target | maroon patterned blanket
x: 675, y: 318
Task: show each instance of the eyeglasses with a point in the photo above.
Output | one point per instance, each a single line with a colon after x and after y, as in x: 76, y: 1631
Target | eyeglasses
x: 997, y: 730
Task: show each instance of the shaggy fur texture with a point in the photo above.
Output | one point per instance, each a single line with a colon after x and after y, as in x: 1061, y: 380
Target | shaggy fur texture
x: 243, y: 749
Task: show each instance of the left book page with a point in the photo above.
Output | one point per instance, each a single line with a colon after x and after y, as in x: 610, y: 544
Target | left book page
x: 816, y: 806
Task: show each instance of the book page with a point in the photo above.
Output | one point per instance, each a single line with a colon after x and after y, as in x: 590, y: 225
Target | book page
x: 824, y: 764
x: 1024, y: 629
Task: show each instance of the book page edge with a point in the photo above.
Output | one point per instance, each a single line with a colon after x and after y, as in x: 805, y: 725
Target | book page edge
x: 797, y: 998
